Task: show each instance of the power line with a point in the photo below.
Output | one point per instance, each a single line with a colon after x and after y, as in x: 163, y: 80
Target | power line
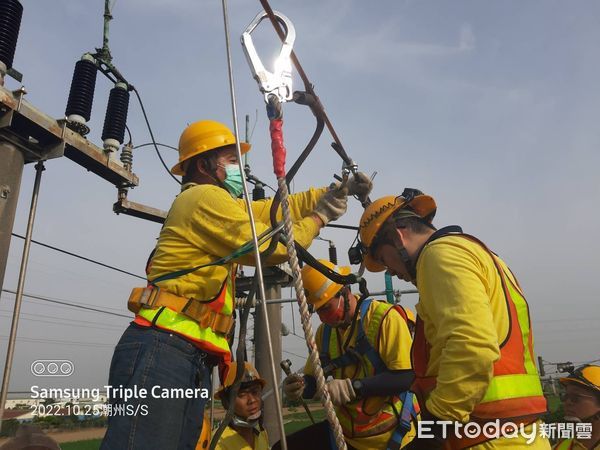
x: 73, y: 305
x: 45, y: 316
x: 81, y: 257
x: 34, y: 298
x: 71, y: 324
x: 137, y: 94
x: 294, y: 354
x: 58, y: 341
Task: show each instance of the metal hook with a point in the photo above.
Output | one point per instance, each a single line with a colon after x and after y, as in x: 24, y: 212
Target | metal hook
x: 278, y: 83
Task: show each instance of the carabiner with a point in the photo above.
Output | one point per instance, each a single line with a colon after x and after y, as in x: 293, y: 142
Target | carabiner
x: 278, y: 83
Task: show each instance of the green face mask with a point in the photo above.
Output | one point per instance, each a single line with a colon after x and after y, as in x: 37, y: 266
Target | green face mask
x: 233, y: 180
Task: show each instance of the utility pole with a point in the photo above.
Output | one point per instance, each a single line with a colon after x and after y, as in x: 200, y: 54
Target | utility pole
x: 262, y: 362
x: 11, y: 171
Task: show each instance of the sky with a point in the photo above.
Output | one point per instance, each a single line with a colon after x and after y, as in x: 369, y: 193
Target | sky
x: 490, y: 107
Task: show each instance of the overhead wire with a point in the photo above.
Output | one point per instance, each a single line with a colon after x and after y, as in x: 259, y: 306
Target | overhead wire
x: 75, y: 255
x: 57, y: 341
x: 152, y: 136
x: 62, y: 324
x: 73, y: 305
x: 67, y: 320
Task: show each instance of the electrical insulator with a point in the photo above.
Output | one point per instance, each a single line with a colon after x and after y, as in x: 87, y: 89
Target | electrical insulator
x: 11, y: 12
x: 258, y: 193
x: 81, y: 95
x: 127, y: 156
x: 332, y: 253
x: 116, y: 117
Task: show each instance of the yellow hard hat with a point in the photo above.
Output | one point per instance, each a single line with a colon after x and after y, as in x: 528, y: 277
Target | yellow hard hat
x: 380, y: 210
x: 201, y: 137
x: 250, y: 375
x: 587, y: 375
x: 320, y: 289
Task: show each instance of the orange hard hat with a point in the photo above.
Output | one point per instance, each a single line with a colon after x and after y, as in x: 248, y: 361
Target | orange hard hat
x: 201, y: 137
x: 380, y: 210
x: 587, y: 375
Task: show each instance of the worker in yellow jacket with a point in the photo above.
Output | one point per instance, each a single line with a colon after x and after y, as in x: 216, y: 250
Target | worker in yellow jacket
x: 473, y: 348
x: 581, y: 402
x: 365, y: 348
x: 184, y: 315
x: 245, y: 431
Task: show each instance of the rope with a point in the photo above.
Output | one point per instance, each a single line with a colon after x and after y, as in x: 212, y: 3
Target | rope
x: 305, y: 318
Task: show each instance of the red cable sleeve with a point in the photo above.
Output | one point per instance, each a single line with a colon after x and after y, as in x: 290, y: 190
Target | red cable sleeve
x: 277, y: 147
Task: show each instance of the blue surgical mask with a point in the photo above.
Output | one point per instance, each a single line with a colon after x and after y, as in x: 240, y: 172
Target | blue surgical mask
x: 233, y: 180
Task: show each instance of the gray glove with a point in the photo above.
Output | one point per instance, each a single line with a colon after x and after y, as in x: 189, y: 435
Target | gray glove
x: 360, y: 185
x: 332, y: 204
x: 293, y: 386
x: 341, y: 391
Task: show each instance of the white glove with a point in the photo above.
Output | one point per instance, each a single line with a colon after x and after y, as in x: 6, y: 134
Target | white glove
x: 332, y: 204
x: 341, y: 391
x: 360, y: 185
x: 293, y: 386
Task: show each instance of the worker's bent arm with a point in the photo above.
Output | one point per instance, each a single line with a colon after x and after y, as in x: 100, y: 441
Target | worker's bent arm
x: 387, y: 383
x: 222, y: 218
x: 301, y: 204
x: 458, y: 318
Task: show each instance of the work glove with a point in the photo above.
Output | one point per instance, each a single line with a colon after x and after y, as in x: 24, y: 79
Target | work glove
x: 332, y: 204
x: 341, y: 391
x: 293, y: 386
x: 360, y: 185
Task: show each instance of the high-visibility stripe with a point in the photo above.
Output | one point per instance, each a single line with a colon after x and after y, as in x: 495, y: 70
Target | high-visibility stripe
x: 206, y: 338
x: 183, y: 325
x: 567, y: 444
x: 524, y: 325
x: 512, y: 386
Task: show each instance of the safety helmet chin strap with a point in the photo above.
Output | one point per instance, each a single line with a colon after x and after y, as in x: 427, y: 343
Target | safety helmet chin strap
x: 347, y: 318
x: 249, y: 422
x: 408, y: 263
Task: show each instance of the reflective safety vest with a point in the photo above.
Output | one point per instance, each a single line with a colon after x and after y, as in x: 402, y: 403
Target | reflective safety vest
x: 567, y: 444
x: 209, y: 340
x: 373, y: 415
x: 515, y: 390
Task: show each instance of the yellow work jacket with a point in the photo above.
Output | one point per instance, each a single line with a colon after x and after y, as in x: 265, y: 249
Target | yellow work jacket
x: 465, y: 319
x: 204, y: 224
x: 232, y: 440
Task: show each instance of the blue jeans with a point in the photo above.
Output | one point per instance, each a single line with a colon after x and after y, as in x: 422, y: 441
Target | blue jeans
x: 146, y: 358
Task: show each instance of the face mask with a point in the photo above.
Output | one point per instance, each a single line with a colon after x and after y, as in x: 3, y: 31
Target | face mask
x: 335, y: 317
x: 233, y: 180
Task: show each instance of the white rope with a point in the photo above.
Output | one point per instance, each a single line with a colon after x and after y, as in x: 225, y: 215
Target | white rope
x: 305, y: 317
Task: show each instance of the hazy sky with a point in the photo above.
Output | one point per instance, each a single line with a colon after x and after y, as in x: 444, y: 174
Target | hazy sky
x: 491, y: 107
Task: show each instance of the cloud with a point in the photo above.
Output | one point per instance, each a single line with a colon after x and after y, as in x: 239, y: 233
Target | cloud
x: 372, y: 50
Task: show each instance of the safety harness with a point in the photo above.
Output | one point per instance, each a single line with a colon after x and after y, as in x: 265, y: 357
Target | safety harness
x: 353, y: 355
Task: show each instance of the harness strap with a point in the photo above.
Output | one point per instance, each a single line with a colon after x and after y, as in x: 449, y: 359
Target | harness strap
x: 363, y: 346
x: 154, y: 297
x: 407, y: 414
